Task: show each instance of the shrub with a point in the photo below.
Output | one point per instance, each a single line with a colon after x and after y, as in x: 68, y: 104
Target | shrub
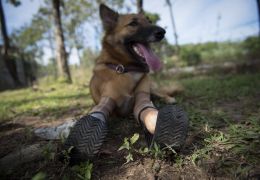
x: 252, y: 47
x: 190, y: 55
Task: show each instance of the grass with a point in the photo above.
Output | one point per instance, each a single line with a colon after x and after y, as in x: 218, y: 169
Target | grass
x: 226, y: 110
x: 224, y: 113
x: 52, y: 101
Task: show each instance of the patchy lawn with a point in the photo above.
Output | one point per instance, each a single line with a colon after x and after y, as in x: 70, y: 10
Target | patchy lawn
x: 223, y: 142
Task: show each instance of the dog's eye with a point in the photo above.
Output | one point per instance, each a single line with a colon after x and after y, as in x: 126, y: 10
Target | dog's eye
x: 133, y: 23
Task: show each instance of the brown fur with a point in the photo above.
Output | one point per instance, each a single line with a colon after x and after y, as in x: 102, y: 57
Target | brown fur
x: 107, y: 82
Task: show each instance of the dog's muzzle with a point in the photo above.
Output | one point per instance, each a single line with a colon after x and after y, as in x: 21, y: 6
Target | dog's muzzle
x: 159, y: 33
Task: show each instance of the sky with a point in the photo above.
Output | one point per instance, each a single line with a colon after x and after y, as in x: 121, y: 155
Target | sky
x: 196, y: 20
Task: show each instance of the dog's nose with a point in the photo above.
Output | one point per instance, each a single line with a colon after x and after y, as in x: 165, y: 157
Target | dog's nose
x: 159, y: 33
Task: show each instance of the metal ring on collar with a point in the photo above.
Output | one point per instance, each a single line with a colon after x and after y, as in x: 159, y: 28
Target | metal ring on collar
x: 120, y: 69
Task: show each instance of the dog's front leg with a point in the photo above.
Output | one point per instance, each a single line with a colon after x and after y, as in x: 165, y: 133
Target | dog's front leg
x: 113, y: 93
x: 144, y: 109
x: 88, y: 134
x: 167, y: 126
x: 104, y: 108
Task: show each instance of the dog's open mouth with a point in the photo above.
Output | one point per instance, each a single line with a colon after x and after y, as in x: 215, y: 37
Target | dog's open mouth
x: 145, y: 53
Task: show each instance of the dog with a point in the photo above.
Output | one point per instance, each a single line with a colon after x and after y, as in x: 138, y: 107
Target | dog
x: 120, y: 84
x: 125, y: 45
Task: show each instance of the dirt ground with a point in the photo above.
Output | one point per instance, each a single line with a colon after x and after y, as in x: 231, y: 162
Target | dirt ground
x: 109, y: 164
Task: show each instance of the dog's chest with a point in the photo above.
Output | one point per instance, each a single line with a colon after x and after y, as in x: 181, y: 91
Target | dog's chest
x: 128, y: 100
x: 136, y: 76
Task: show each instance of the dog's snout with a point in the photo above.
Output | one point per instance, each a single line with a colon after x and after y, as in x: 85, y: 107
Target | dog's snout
x: 159, y: 33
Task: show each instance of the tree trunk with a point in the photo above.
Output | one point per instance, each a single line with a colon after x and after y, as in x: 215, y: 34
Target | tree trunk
x: 4, y: 29
x: 140, y: 6
x: 173, y: 25
x: 10, y: 64
x: 61, y: 56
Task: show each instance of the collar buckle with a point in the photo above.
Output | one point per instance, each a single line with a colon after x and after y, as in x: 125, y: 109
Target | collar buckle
x: 120, y: 69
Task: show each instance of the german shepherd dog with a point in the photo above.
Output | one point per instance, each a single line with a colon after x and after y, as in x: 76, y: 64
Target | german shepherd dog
x: 121, y: 85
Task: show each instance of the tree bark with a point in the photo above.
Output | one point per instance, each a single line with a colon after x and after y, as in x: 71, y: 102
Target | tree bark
x: 4, y: 29
x: 140, y: 6
x: 10, y: 64
x: 61, y: 56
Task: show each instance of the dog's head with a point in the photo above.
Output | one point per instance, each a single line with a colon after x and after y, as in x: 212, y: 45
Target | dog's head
x: 129, y: 36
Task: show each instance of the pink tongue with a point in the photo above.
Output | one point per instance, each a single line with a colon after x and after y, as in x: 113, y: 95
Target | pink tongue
x: 151, y: 59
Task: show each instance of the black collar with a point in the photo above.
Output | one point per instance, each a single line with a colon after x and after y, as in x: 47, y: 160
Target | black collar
x: 120, y: 69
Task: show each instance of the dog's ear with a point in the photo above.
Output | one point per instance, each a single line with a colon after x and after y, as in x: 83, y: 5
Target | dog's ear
x: 108, y: 17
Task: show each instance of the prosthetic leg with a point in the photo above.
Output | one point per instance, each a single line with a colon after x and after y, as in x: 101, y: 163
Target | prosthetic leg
x: 165, y: 127
x: 89, y: 132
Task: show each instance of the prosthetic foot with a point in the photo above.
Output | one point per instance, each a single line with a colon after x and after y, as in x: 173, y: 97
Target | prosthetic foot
x: 86, y: 138
x: 171, y: 127
x: 171, y: 124
x: 89, y: 132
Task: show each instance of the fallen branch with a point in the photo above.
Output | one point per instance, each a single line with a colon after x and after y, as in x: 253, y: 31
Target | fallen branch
x: 22, y: 156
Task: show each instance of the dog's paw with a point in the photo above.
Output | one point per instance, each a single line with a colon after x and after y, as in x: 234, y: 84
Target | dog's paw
x: 169, y: 100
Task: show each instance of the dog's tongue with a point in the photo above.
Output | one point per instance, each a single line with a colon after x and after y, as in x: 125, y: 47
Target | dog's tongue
x: 151, y: 59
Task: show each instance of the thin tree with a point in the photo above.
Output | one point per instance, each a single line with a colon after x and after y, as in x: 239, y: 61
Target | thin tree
x: 10, y: 65
x: 140, y: 6
x: 218, y: 26
x: 61, y: 56
x: 168, y: 2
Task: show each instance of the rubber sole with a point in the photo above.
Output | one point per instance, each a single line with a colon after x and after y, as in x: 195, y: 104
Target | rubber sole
x: 85, y: 138
x: 171, y: 128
